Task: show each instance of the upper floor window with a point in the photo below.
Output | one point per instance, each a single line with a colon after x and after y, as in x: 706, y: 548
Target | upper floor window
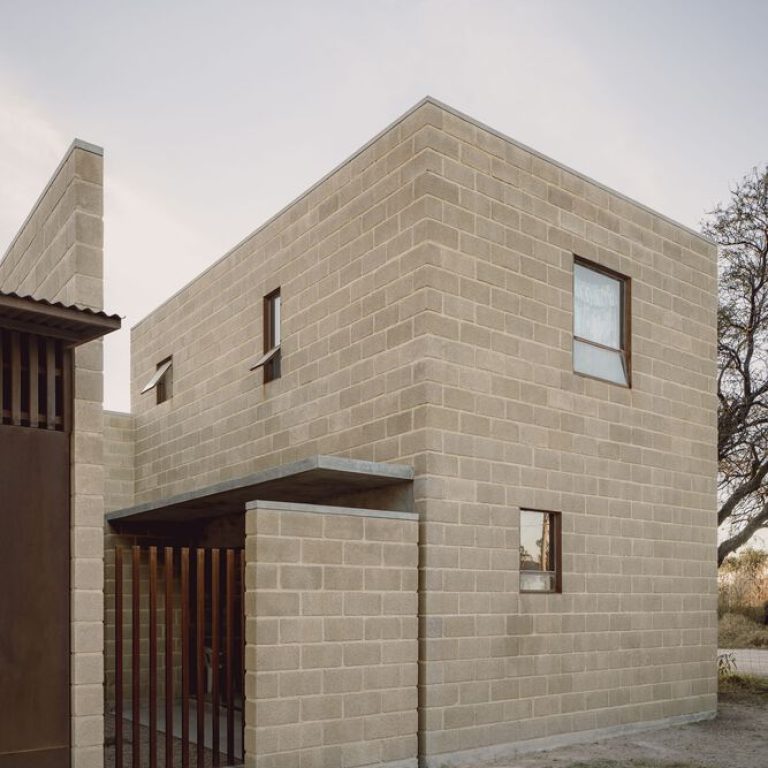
x: 270, y: 360
x: 600, y: 323
x: 161, y: 381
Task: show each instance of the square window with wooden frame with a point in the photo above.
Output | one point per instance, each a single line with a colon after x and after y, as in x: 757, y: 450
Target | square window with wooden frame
x: 161, y: 381
x: 540, y: 551
x: 601, y: 323
x: 271, y: 359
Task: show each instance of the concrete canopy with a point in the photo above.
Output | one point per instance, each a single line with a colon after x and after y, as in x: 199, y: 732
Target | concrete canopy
x: 309, y: 480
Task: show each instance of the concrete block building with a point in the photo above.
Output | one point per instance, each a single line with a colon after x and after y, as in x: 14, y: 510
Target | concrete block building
x: 457, y: 402
x: 422, y: 472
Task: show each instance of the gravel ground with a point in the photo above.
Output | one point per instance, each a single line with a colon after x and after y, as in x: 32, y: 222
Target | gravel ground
x: 737, y: 738
x: 109, y: 749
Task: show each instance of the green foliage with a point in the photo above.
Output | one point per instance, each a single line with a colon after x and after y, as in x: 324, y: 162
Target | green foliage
x: 726, y: 665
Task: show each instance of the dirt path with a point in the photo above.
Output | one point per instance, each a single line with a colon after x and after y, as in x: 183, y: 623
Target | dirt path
x: 737, y: 738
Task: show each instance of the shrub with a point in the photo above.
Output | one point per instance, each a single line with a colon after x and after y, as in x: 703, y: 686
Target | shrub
x: 739, y: 631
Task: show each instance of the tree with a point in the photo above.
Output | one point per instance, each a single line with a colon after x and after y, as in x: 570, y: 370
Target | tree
x: 741, y: 230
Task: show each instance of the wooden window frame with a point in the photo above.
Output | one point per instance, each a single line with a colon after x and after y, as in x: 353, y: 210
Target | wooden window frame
x: 558, y: 537
x: 273, y: 364
x: 625, y: 317
x: 161, y: 381
x: 164, y: 387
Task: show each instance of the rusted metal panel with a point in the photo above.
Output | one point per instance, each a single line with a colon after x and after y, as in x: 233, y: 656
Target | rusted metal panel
x: 34, y: 602
x: 42, y: 758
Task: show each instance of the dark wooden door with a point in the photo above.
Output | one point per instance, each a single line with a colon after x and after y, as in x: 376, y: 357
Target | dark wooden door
x: 34, y: 598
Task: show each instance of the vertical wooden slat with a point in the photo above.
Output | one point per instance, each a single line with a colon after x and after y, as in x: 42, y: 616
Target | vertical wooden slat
x: 15, y: 379
x: 200, y: 658
x: 168, y: 563
x: 3, y: 404
x: 241, y: 667
x: 50, y: 384
x: 185, y: 657
x: 67, y: 388
x: 153, y: 657
x: 230, y: 597
x: 215, y: 571
x: 135, y: 656
x: 33, y: 373
x: 118, y: 657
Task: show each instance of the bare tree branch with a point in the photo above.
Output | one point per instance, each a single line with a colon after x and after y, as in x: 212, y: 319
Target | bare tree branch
x: 741, y: 230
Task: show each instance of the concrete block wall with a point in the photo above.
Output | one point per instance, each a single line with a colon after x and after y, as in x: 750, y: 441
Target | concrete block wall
x: 58, y: 255
x: 427, y: 305
x: 348, y: 256
x: 632, y: 638
x: 331, y: 637
x: 119, y: 460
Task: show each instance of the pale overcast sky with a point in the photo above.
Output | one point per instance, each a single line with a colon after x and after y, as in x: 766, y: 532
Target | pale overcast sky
x: 214, y: 115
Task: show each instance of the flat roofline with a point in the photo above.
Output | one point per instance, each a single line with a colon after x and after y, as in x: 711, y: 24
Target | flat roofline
x: 281, y: 481
x: 462, y: 116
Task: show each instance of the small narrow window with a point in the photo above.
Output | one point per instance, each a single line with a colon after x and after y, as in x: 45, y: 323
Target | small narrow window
x: 540, y: 560
x: 161, y: 381
x: 271, y: 358
x: 600, y: 323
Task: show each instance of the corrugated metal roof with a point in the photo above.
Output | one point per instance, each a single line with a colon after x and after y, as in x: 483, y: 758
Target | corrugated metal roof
x: 54, y: 318
x: 59, y: 304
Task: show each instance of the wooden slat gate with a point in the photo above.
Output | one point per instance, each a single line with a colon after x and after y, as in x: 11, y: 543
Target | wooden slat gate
x: 179, y: 646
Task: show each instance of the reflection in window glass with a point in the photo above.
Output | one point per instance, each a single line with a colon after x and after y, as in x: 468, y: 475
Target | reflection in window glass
x: 596, y: 307
x: 272, y: 336
x: 599, y: 344
x: 538, y: 569
x: 596, y: 361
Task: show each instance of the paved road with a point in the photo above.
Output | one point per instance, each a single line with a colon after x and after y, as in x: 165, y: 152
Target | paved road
x: 753, y: 661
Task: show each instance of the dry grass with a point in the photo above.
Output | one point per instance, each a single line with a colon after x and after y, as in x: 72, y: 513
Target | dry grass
x: 738, y: 631
x: 633, y: 764
x: 739, y: 683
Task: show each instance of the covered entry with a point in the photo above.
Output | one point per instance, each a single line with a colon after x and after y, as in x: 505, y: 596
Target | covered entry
x: 178, y: 634
x: 36, y: 399
x: 178, y: 574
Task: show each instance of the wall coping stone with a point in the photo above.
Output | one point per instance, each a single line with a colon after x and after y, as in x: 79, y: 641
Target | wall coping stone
x: 325, y: 509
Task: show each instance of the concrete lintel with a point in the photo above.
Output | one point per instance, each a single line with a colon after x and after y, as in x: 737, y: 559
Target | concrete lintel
x: 325, y: 509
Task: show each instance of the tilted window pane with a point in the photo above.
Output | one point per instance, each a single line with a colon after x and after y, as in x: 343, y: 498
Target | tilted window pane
x: 537, y: 581
x: 596, y: 361
x: 536, y: 541
x: 276, y: 321
x: 596, y: 307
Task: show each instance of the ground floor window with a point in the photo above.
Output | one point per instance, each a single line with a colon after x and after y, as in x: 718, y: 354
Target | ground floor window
x: 540, y: 561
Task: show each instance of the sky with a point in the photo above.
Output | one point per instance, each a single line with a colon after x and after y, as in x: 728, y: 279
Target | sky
x: 214, y: 116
